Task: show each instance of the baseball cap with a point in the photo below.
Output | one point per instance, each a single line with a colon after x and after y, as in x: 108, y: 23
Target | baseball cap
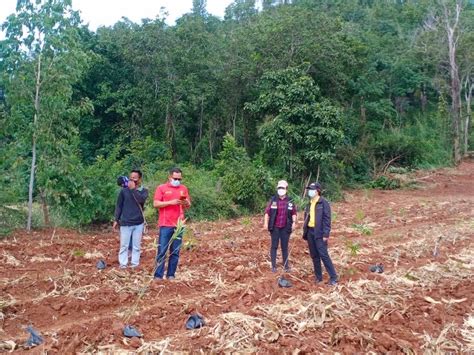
x: 282, y: 183
x: 314, y: 186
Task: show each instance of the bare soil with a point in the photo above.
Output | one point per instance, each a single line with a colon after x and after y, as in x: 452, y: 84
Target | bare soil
x: 423, y: 302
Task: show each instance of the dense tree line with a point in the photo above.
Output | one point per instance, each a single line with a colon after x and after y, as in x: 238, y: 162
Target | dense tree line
x: 337, y: 90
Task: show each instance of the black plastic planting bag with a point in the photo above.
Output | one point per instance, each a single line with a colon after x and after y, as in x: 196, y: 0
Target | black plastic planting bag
x: 195, y: 321
x: 378, y: 268
x: 34, y: 339
x: 130, y: 332
x: 282, y: 282
x: 101, y: 264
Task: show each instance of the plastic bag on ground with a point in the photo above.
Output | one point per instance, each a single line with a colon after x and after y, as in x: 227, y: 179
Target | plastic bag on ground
x: 34, y: 339
x: 130, y: 331
x: 195, y: 321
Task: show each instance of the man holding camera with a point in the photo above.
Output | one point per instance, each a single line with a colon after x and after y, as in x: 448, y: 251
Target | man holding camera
x: 129, y: 215
x: 171, y: 199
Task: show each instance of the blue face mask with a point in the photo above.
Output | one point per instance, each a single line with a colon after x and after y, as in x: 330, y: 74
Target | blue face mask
x: 175, y: 183
x: 311, y: 193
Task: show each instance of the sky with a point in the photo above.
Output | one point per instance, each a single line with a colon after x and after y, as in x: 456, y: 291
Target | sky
x: 107, y: 12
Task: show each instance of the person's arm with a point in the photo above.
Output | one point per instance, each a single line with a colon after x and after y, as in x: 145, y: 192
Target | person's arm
x: 294, y: 215
x: 326, y: 220
x: 187, y: 200
x: 265, y: 221
x: 161, y: 204
x: 305, y: 223
x: 266, y: 216
x: 158, y: 200
x: 118, y: 209
x: 140, y: 196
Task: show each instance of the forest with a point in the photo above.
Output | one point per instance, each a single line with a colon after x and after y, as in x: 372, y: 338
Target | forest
x: 340, y: 91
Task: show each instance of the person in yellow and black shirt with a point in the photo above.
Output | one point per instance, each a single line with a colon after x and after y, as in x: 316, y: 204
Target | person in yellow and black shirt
x: 316, y: 230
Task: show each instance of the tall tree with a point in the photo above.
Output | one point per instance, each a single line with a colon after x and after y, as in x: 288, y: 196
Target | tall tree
x: 301, y: 129
x: 451, y: 18
x: 42, y: 60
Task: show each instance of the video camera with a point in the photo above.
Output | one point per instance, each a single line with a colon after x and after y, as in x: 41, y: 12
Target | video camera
x: 122, y: 181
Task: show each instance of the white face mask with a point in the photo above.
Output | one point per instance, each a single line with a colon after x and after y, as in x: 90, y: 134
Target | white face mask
x: 175, y: 183
x: 281, y: 192
x: 311, y: 193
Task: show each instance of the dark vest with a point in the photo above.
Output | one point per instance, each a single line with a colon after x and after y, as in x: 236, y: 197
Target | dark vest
x: 273, y: 213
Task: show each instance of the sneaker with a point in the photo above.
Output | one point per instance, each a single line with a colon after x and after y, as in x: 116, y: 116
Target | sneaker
x: 122, y: 267
x: 287, y: 269
x: 170, y: 277
x: 274, y: 269
x: 332, y: 283
x: 318, y: 281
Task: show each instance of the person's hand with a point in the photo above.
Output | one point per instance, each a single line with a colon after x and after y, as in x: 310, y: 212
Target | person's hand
x: 131, y: 184
x: 114, y: 226
x: 325, y: 239
x: 175, y: 202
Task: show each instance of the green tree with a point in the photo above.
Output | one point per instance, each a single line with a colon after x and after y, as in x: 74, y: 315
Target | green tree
x: 42, y: 60
x: 301, y: 129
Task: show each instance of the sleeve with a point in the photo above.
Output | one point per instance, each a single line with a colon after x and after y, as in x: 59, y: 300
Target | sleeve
x: 188, y: 197
x: 140, y: 196
x: 293, y: 212
x: 267, y: 209
x: 118, y: 206
x: 326, y: 219
x: 158, y: 194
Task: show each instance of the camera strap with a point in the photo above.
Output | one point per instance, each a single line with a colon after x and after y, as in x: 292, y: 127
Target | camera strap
x: 145, y: 224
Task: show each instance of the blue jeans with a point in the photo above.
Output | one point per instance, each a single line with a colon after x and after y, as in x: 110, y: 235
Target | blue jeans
x: 165, y: 242
x: 318, y: 249
x: 130, y: 235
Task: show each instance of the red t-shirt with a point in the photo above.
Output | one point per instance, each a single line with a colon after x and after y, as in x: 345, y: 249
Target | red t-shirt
x: 169, y: 215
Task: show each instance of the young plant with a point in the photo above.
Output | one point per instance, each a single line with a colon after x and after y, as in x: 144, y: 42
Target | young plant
x: 359, y: 216
x: 190, y: 241
x: 246, y: 221
x: 353, y: 247
x: 362, y: 228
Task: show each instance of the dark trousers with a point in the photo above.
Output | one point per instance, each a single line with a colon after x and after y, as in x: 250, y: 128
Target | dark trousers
x: 164, y: 243
x: 318, y: 249
x: 279, y: 235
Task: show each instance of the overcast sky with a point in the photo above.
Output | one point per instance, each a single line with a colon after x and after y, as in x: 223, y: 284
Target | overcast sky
x: 107, y: 12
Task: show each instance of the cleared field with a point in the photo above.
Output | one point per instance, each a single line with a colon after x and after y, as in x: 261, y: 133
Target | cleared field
x: 422, y: 302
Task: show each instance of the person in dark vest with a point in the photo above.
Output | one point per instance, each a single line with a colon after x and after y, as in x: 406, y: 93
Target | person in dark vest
x: 316, y: 230
x: 280, y: 216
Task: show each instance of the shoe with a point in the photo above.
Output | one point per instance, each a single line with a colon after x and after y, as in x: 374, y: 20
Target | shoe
x: 170, y: 277
x: 287, y: 269
x: 157, y: 279
x: 332, y: 283
x: 317, y: 281
x: 274, y: 269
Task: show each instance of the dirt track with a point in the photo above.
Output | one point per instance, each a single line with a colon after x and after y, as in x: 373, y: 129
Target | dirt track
x: 422, y: 302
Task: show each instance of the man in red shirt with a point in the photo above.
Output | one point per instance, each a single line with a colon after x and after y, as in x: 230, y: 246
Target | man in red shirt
x: 171, y: 199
